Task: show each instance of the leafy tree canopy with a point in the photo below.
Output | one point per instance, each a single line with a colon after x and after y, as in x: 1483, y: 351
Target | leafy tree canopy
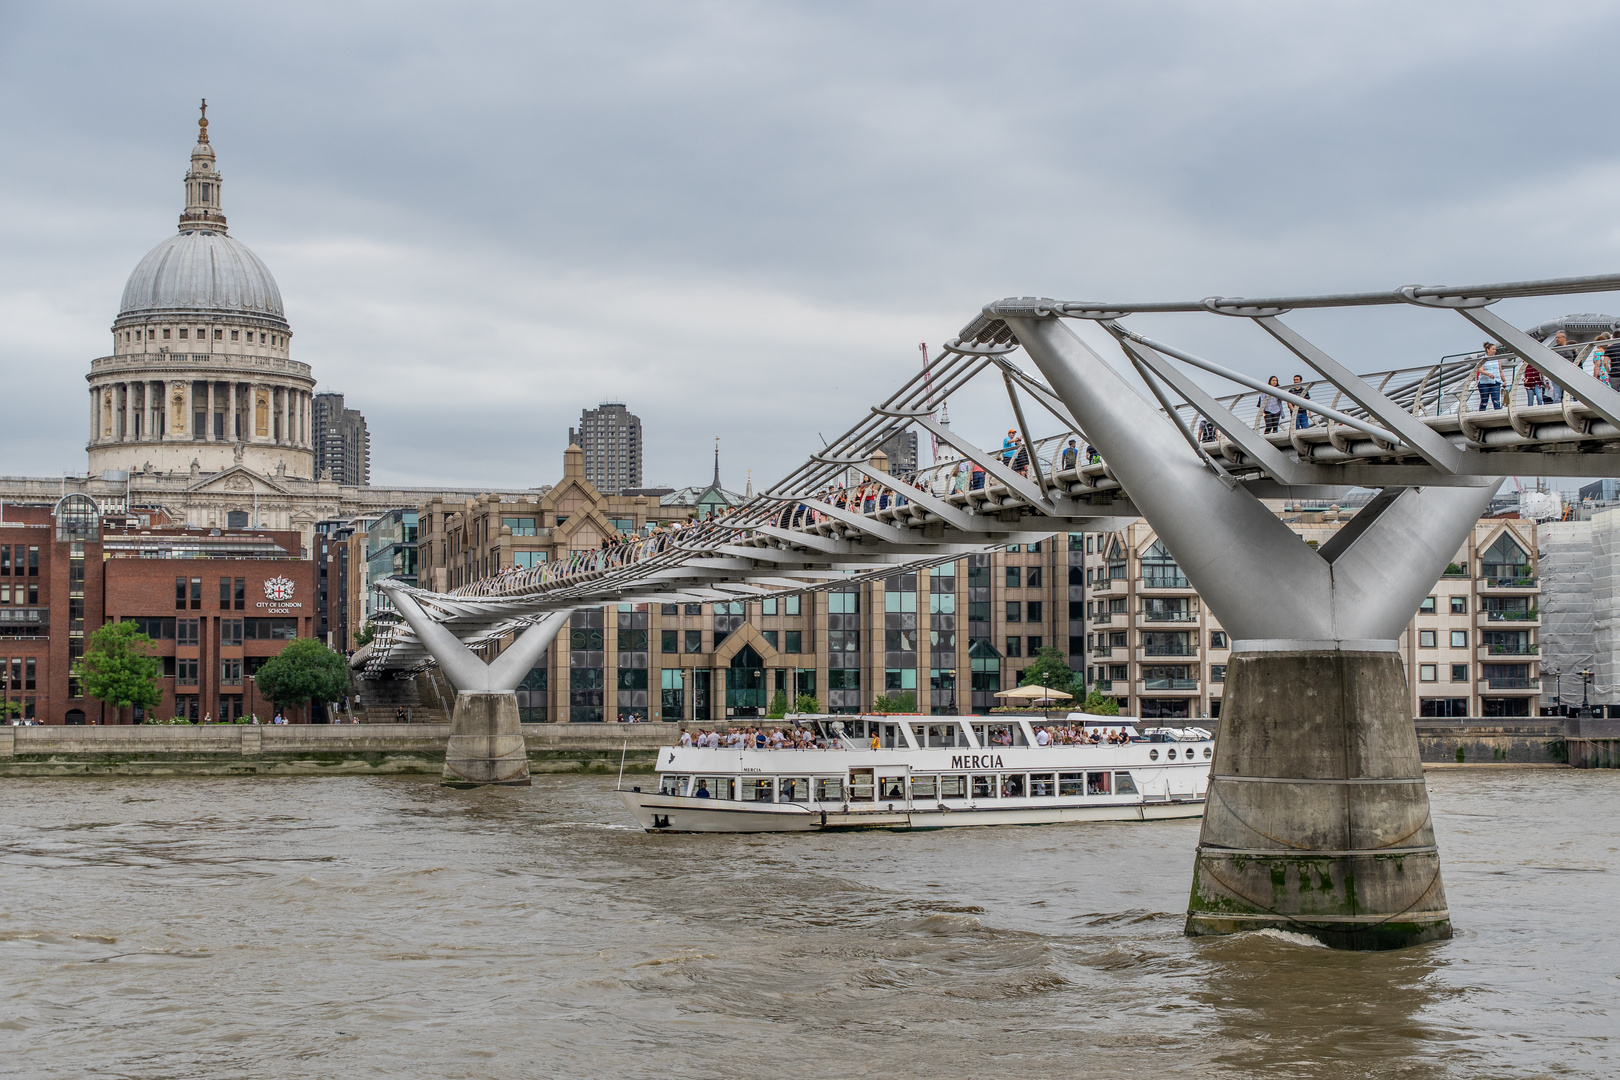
x: 901, y: 701
x: 305, y: 670
x: 363, y: 636
x: 1098, y: 705
x: 119, y: 668
x: 1051, y: 670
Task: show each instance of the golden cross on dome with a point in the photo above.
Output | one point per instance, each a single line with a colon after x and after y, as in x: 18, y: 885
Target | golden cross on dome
x: 202, y: 124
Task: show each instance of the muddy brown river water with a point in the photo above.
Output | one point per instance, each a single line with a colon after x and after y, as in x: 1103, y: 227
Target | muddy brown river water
x: 340, y: 928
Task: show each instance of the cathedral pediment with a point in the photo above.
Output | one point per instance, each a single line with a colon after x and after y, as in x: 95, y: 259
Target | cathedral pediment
x: 238, y: 480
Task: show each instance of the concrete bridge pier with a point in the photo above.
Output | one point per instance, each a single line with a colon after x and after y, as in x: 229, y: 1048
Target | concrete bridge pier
x: 1317, y: 819
x: 486, y: 735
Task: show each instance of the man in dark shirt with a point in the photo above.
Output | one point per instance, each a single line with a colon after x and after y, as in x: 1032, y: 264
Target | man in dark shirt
x: 1562, y: 347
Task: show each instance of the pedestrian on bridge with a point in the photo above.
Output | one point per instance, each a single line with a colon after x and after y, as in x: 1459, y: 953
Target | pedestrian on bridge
x: 1071, y: 455
x: 1488, y: 377
x: 1302, y: 418
x: 1271, y: 407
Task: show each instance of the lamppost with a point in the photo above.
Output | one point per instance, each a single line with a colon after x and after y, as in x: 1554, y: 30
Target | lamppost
x: 1558, y: 689
x: 250, y: 679
x: 1586, y: 681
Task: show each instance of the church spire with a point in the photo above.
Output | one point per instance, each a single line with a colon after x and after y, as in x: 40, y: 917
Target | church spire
x: 202, y: 213
x: 717, y: 461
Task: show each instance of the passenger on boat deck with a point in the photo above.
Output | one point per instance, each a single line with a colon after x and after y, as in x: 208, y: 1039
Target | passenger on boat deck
x: 686, y: 737
x: 1042, y: 738
x: 875, y: 744
x: 702, y: 791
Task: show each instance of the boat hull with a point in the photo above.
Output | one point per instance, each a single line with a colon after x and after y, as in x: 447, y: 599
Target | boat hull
x: 677, y: 814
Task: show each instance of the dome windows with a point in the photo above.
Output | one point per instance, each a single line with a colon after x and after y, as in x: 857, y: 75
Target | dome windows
x: 183, y: 333
x: 234, y: 334
x: 219, y: 335
x: 165, y: 333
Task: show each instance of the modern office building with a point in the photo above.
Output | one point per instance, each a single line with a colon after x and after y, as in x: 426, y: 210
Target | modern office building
x: 900, y: 448
x: 342, y: 443
x: 216, y: 603
x: 610, y: 436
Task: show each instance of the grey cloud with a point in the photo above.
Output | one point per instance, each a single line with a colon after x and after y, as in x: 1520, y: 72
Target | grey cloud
x: 741, y: 218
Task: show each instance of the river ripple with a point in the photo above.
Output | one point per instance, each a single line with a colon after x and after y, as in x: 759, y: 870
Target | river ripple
x: 343, y: 928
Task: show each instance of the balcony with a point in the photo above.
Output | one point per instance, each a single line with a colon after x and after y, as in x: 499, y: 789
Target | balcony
x: 1493, y: 584
x: 1147, y: 653
x: 1164, y: 583
x: 1148, y: 686
x: 1510, y: 686
x: 1109, y: 587
x: 1103, y: 618
x: 1102, y: 650
x: 1510, y: 619
x: 1485, y: 652
x: 1189, y: 615
x: 1103, y: 686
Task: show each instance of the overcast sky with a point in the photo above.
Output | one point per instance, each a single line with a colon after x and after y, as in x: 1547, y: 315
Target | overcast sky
x: 741, y: 218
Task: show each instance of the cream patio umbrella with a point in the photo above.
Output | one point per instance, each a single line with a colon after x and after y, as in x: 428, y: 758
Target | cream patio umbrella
x: 1035, y: 693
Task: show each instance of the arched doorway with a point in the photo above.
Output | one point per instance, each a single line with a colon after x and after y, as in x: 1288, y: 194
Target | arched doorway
x: 745, y: 683
x: 74, y: 716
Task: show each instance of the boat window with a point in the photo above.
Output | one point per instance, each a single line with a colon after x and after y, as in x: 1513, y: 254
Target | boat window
x: 984, y: 786
x: 1172, y: 753
x: 924, y: 787
x: 1124, y: 785
x: 860, y: 785
x: 714, y: 787
x: 953, y: 786
x: 1153, y: 755
x: 1097, y: 783
x: 978, y: 733
x: 889, y: 737
x: 1012, y: 785
x: 941, y: 735
x: 757, y: 789
x: 829, y: 788
x: 1071, y: 783
x: 1208, y: 752
x: 672, y: 784
x: 892, y: 787
x: 1041, y: 783
x: 794, y: 788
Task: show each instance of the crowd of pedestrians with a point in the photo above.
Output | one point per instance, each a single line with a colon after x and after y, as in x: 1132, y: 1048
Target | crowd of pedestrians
x: 756, y: 738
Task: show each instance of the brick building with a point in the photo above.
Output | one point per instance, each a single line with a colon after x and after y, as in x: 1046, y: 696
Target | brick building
x: 217, y: 604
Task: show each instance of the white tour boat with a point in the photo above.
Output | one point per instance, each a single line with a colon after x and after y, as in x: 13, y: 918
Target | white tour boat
x: 929, y: 772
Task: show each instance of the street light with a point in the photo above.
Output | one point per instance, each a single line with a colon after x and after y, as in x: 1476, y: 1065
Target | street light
x: 1586, y: 681
x: 1558, y: 689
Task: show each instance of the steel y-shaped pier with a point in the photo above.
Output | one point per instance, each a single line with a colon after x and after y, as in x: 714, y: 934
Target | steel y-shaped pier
x: 1318, y: 817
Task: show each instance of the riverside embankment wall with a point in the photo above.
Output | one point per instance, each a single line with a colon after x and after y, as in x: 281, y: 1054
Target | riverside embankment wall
x: 380, y: 749
x: 306, y: 749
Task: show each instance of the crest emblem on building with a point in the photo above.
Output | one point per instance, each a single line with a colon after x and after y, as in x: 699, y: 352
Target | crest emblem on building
x: 278, y: 588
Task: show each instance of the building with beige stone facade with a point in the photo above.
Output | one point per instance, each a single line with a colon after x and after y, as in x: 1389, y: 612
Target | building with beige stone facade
x: 1471, y: 650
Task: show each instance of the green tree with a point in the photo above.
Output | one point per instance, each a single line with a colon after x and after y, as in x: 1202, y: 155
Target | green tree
x: 778, y: 707
x: 10, y: 708
x: 363, y: 636
x: 305, y: 670
x: 1098, y: 705
x: 902, y: 701
x: 1051, y: 670
x: 120, y: 669
x: 807, y: 703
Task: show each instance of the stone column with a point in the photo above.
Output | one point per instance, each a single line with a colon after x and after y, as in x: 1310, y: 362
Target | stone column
x: 285, y: 415
x: 208, y: 424
x: 95, y: 412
